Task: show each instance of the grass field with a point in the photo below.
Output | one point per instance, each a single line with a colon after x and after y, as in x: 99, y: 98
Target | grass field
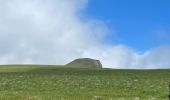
x: 42, y: 82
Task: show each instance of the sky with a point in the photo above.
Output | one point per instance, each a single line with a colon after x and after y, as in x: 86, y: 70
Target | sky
x: 121, y: 34
x: 140, y: 24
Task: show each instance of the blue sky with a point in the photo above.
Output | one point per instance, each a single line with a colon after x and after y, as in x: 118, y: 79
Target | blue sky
x: 140, y: 24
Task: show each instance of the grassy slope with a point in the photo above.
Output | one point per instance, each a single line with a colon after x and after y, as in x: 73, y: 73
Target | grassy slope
x: 60, y: 83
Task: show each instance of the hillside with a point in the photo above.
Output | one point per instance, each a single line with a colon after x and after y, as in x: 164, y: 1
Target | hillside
x: 42, y: 82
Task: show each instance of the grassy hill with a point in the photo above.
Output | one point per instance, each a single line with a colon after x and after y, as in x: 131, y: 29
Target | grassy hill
x: 43, y: 82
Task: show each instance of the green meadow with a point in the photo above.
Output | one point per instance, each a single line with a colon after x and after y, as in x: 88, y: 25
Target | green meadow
x: 47, y: 82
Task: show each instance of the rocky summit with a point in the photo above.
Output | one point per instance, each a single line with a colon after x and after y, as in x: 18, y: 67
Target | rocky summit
x: 85, y: 63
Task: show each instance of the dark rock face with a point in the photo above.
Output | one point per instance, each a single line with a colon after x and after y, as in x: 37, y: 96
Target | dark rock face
x: 85, y: 63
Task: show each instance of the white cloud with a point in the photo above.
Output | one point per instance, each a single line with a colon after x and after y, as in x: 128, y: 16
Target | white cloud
x: 52, y: 32
x: 121, y: 56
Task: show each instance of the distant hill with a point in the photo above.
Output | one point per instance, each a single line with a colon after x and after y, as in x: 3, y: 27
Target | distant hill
x: 85, y: 63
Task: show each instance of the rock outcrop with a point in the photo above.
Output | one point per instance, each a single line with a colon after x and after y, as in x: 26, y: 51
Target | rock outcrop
x: 85, y: 63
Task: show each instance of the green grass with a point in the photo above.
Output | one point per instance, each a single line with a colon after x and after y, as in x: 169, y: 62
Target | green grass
x: 42, y: 82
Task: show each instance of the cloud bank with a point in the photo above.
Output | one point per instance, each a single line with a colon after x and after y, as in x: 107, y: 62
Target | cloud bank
x: 56, y: 32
